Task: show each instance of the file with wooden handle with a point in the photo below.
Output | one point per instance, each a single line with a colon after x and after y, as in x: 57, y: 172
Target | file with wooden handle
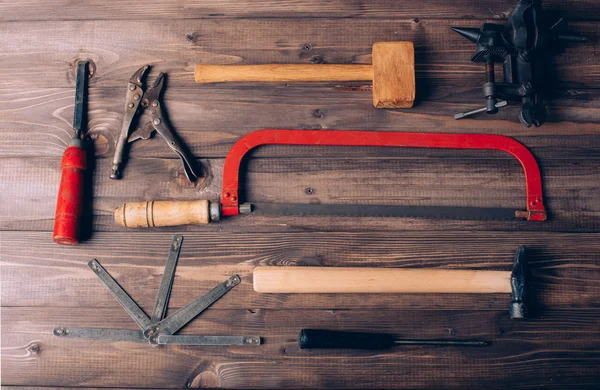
x: 155, y: 213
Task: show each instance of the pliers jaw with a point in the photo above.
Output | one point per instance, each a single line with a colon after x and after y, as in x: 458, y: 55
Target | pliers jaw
x: 138, y: 77
x: 148, y: 98
x: 153, y: 93
x: 135, y: 94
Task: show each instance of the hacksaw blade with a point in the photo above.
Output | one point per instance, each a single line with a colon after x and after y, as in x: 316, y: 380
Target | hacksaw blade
x: 360, y: 210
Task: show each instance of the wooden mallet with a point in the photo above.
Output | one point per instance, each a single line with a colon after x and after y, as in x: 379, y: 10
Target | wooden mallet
x: 392, y: 73
x: 398, y: 280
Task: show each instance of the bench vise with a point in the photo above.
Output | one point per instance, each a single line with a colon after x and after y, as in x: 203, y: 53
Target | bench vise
x: 522, y: 47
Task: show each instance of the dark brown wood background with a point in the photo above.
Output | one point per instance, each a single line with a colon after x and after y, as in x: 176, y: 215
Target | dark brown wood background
x: 45, y: 285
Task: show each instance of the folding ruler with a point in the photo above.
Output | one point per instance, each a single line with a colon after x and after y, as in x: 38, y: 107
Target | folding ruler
x: 159, y: 330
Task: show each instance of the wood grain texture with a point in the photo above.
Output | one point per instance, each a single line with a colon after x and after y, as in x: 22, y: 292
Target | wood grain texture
x: 34, y: 357
x: 162, y: 213
x: 565, y: 267
x: 261, y: 9
x: 380, y: 280
x: 45, y: 285
x: 176, y: 46
x: 281, y: 73
x: 37, y: 122
x: 393, y: 74
x: 570, y: 191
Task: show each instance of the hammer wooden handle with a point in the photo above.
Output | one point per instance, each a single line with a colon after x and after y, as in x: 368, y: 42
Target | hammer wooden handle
x: 378, y: 280
x: 282, y: 73
x: 157, y: 213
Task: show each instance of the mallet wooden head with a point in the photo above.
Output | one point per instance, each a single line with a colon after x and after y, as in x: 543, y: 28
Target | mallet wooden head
x: 392, y: 73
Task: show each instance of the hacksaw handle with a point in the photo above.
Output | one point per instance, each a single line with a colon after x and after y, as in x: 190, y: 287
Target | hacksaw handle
x: 282, y: 73
x: 378, y: 280
x: 156, y: 213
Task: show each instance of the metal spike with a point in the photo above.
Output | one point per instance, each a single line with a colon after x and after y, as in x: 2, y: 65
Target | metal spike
x: 472, y: 34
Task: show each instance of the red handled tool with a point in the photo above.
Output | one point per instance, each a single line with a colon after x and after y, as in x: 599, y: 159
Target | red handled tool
x: 535, y: 210
x: 69, y: 205
x: 172, y: 213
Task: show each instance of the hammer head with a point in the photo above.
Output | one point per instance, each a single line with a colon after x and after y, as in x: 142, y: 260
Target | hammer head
x: 518, y: 282
x: 393, y: 74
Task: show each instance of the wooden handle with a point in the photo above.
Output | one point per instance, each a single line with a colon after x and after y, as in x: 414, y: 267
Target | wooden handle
x: 162, y: 213
x: 282, y: 73
x: 378, y: 280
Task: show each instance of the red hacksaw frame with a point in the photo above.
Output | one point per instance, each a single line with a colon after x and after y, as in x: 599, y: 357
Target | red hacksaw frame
x: 230, y: 197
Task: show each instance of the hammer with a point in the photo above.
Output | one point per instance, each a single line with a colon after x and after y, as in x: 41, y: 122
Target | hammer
x: 392, y: 73
x: 397, y: 280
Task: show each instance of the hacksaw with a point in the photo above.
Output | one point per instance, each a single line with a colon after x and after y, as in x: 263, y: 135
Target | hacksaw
x: 173, y: 213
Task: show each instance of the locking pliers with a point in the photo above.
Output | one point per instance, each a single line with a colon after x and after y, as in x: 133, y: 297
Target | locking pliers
x: 139, y: 98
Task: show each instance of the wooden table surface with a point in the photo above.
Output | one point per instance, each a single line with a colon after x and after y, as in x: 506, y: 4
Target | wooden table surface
x: 45, y: 285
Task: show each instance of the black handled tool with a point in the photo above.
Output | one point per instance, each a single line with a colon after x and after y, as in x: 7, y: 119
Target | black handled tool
x: 318, y: 338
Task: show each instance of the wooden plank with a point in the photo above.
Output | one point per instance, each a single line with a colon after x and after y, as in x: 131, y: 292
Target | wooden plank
x: 37, y: 122
x: 138, y: 9
x: 176, y: 46
x: 45, y: 285
x: 520, y: 354
x: 36, y: 271
x: 30, y: 185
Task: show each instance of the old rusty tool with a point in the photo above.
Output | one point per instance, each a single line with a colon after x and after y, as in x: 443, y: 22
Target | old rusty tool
x: 139, y: 98
x: 523, y: 47
x: 392, y: 73
x: 330, y: 280
x: 172, y: 213
x: 323, y: 339
x: 157, y: 329
x: 69, y: 203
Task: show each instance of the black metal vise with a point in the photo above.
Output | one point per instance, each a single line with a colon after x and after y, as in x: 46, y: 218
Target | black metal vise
x: 521, y: 47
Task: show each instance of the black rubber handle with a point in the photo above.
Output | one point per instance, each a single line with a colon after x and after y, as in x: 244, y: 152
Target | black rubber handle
x: 316, y: 338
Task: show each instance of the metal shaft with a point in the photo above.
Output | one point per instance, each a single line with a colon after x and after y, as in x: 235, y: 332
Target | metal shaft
x: 441, y: 342
x: 177, y: 320
x: 101, y: 334
x: 132, y: 308
x: 479, y: 110
x: 80, y: 94
x: 164, y: 291
x: 208, y: 340
x: 366, y: 210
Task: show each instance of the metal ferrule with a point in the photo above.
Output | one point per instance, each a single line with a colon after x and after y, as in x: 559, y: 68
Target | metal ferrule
x: 214, y: 211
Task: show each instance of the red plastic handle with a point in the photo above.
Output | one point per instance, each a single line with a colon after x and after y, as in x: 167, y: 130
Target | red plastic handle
x: 69, y: 205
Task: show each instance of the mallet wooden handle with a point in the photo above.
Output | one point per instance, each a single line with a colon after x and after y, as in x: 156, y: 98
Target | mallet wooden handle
x: 157, y: 213
x: 378, y: 280
x: 282, y: 73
